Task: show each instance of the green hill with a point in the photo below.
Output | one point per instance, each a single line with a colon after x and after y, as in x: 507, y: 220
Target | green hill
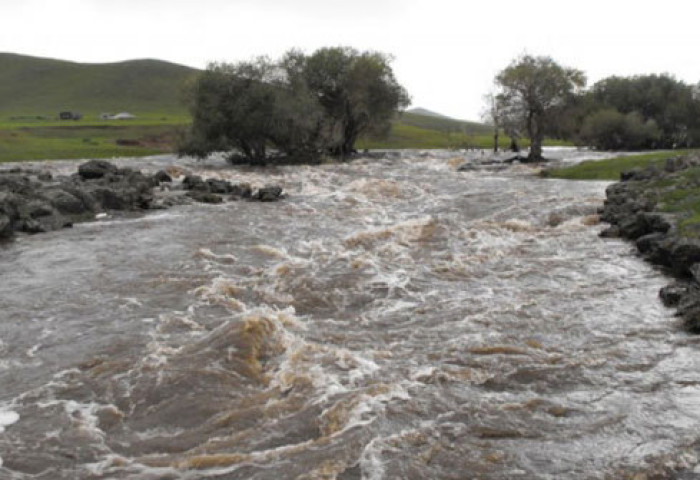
x: 443, y: 124
x: 43, y: 87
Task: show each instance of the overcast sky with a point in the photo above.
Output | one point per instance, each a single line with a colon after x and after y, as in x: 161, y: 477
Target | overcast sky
x: 446, y: 51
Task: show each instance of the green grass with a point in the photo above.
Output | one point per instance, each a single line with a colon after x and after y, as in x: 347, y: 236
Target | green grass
x: 39, y: 143
x: 610, y: 169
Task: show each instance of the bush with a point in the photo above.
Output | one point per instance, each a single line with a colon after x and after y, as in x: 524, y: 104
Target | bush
x: 609, y: 129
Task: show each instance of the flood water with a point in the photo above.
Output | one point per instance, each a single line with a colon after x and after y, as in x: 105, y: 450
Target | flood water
x: 391, y: 319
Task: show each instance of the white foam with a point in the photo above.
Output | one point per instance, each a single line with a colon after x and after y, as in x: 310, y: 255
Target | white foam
x: 7, y: 418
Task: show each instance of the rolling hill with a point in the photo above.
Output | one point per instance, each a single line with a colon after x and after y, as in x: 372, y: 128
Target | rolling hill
x: 42, y: 86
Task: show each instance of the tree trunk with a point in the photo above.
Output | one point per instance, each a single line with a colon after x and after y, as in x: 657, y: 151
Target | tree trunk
x: 514, y: 147
x: 534, y: 131
x: 495, y: 140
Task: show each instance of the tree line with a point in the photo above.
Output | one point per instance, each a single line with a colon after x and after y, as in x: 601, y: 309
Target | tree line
x: 299, y: 107
x: 535, y: 96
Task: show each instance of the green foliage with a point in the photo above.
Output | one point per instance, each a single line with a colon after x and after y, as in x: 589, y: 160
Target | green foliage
x: 358, y: 92
x: 300, y: 106
x: 530, y: 91
x: 609, y: 129
x: 659, y: 111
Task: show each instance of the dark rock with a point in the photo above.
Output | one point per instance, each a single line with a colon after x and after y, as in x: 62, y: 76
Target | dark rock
x: 684, y: 254
x: 161, y: 176
x: 31, y: 225
x: 268, y: 193
x: 650, y: 242
x: 219, y: 186
x: 671, y: 295
x: 610, y: 232
x: 96, y: 169
x: 66, y: 202
x: 5, y: 226
x: 205, y: 197
x: 15, y: 183
x: 243, y: 190
x: 194, y: 182
x: 45, y: 176
x: 37, y: 209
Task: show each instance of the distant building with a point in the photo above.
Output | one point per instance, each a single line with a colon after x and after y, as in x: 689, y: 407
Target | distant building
x: 67, y: 115
x: 117, y: 116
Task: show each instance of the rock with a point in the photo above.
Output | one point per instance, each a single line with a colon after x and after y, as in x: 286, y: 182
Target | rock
x: 37, y: 209
x: 66, y: 202
x: 243, y: 190
x: 268, y: 193
x: 45, y: 176
x: 161, y: 176
x: 96, y: 169
x: 649, y: 242
x: 671, y: 295
x: 194, y: 182
x: 218, y: 186
x: 5, y: 226
x: 684, y: 254
x: 205, y: 197
x: 610, y: 232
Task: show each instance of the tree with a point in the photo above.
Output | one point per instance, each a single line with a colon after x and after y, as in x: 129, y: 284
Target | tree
x: 609, y: 129
x: 300, y: 106
x: 247, y: 107
x: 670, y: 103
x: 492, y: 116
x: 358, y: 92
x: 530, y: 89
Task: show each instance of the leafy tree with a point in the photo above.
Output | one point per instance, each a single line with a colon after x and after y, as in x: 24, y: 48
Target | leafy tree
x: 300, y: 106
x: 609, y: 129
x: 358, y: 92
x: 670, y: 103
x: 531, y: 88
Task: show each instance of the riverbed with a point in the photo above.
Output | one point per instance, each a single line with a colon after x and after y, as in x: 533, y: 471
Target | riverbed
x: 392, y: 318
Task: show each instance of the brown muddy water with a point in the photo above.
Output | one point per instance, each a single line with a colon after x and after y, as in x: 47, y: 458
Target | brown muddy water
x: 392, y: 319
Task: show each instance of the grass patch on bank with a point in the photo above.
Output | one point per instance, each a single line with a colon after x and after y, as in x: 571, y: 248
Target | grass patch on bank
x: 84, y: 141
x: 610, y: 169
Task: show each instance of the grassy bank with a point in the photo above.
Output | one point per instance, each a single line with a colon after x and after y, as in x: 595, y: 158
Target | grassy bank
x: 85, y: 141
x: 610, y: 169
x: 153, y: 133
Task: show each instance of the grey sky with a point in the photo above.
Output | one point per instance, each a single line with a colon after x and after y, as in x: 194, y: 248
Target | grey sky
x: 446, y: 51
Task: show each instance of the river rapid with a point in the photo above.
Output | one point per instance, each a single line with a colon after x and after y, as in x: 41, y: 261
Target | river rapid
x: 391, y: 319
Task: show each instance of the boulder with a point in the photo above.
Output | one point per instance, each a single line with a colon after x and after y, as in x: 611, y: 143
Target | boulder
x: 268, y: 193
x: 205, y: 197
x: 684, y: 254
x: 610, y: 232
x: 161, y: 176
x: 671, y: 295
x: 66, y: 203
x: 219, y: 186
x: 96, y: 169
x: 243, y: 190
x: 194, y: 182
x: 5, y: 226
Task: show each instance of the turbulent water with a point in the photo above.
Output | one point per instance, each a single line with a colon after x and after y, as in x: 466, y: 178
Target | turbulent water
x: 391, y: 319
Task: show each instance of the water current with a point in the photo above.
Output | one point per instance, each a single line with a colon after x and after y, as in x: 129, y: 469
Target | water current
x: 391, y: 319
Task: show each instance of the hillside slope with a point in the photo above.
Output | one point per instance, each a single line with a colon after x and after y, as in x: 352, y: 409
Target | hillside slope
x: 41, y: 86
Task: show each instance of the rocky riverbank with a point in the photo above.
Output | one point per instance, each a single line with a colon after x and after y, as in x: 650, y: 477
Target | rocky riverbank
x: 657, y: 209
x: 34, y: 201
